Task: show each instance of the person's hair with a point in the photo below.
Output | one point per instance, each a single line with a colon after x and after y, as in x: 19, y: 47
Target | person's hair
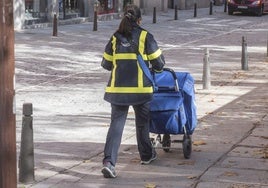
x: 132, y: 15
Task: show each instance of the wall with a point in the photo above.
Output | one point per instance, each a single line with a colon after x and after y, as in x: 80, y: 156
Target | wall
x: 202, y: 3
x: 53, y: 8
x: 160, y: 5
x: 19, y: 14
x: 189, y: 4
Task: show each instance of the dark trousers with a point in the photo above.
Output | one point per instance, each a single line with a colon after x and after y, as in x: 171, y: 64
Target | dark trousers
x: 114, y: 136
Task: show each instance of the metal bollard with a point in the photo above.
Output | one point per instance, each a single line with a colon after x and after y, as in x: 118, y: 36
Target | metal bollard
x: 225, y: 5
x: 55, y: 26
x: 26, y: 158
x: 267, y: 46
x: 206, y: 71
x: 210, y: 7
x: 95, y: 24
x: 64, y: 9
x: 244, y: 58
x: 195, y: 11
x: 176, y: 13
x: 154, y: 15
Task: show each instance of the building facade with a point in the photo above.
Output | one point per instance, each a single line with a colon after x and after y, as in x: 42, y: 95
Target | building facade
x: 28, y: 12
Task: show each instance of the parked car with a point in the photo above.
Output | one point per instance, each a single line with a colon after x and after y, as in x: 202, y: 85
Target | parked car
x: 247, y: 6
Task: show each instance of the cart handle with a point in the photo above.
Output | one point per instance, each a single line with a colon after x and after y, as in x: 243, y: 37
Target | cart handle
x: 174, y: 76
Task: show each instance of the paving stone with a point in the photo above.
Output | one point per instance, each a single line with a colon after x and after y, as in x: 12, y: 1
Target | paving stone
x: 248, y: 152
x: 236, y: 175
x: 246, y: 163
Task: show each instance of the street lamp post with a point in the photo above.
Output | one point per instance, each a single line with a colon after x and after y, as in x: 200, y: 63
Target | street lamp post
x: 95, y: 24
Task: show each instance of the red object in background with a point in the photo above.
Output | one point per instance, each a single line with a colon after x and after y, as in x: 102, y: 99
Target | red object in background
x: 247, y: 6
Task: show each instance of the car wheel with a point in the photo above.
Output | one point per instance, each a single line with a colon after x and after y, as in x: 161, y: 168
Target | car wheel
x: 166, y: 143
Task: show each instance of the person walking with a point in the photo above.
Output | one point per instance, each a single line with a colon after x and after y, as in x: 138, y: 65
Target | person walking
x: 129, y: 86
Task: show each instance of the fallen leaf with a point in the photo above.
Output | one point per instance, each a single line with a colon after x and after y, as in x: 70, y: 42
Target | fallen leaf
x: 230, y: 161
x: 258, y: 152
x: 212, y: 100
x: 238, y: 75
x: 191, y: 177
x: 236, y: 151
x: 150, y: 185
x: 186, y: 163
x: 208, y: 113
x: 230, y: 174
x: 240, y: 186
x: 265, y: 154
x: 199, y: 142
x: 222, y: 113
x: 127, y: 149
x: 135, y: 160
x: 86, y: 161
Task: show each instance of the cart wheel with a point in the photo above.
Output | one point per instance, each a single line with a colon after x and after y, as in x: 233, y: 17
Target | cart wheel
x: 152, y: 142
x: 166, y: 142
x: 157, y: 141
x: 187, y: 146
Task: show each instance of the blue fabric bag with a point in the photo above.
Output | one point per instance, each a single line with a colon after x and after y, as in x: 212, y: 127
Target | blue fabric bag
x: 167, y: 115
x: 173, y: 108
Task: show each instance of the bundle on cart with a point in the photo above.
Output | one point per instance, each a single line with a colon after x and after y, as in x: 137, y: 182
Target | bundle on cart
x: 173, y: 109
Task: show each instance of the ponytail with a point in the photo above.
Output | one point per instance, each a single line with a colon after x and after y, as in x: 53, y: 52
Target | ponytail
x: 131, y: 16
x: 125, y: 27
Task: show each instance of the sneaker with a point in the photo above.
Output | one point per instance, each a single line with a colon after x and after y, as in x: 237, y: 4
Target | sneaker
x: 108, y: 170
x: 154, y: 156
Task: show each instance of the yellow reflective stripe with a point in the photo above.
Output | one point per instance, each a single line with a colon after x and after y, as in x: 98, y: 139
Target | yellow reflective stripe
x: 114, y: 62
x: 144, y: 56
x: 129, y: 90
x: 126, y: 56
x: 142, y: 41
x: 141, y: 44
x: 140, y: 76
x: 154, y: 55
x: 108, y: 57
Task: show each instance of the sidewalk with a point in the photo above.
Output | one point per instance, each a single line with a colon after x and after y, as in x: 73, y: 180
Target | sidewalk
x: 229, y: 150
x: 230, y: 144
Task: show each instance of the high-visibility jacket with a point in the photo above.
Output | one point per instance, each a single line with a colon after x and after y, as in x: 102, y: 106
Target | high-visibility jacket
x: 128, y: 85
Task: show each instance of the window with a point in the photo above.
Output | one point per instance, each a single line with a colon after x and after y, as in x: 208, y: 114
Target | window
x: 106, y: 6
